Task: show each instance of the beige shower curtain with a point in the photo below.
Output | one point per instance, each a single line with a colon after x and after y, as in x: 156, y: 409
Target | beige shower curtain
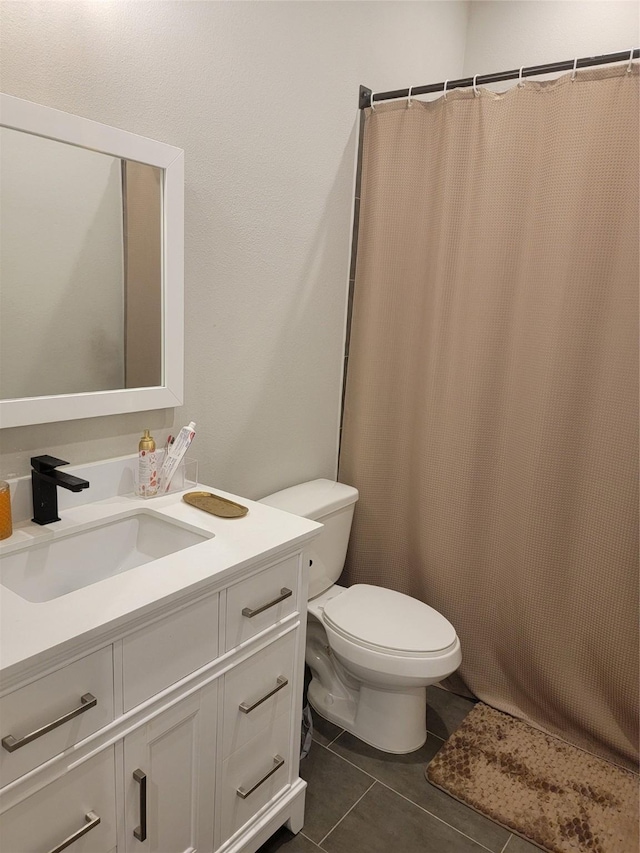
x: 491, y: 413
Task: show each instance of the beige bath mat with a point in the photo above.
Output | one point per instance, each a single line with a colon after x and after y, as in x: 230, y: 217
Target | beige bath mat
x: 553, y: 794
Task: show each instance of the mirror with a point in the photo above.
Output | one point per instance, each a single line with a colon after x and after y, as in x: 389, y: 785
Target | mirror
x: 91, y: 278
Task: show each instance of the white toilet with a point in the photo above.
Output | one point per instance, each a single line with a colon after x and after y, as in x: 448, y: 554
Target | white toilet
x: 372, y: 651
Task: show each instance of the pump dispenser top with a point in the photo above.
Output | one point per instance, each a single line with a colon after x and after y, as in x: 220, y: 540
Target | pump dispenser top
x: 147, y: 442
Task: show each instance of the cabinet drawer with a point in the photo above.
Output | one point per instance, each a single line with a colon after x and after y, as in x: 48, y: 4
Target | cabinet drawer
x: 261, y: 601
x: 257, y: 692
x: 254, y: 774
x: 53, y: 698
x: 161, y: 654
x: 53, y: 814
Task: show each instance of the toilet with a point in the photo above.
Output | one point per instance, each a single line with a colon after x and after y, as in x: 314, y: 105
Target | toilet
x: 372, y: 651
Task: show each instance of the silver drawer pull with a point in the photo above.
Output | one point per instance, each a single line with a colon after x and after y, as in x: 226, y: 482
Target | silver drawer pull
x: 10, y: 743
x: 284, y: 593
x: 242, y: 792
x: 281, y: 682
x: 140, y: 832
x: 91, y: 819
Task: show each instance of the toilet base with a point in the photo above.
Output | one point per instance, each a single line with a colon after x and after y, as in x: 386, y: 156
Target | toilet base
x: 391, y: 721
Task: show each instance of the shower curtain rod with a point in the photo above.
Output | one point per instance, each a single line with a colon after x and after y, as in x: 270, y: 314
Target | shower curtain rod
x: 481, y: 79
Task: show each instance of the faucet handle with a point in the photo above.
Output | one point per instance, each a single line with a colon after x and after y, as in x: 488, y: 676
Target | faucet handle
x: 43, y: 464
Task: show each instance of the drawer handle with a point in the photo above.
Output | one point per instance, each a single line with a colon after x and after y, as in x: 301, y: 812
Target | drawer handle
x: 140, y: 832
x: 242, y: 792
x: 284, y: 593
x: 10, y: 743
x: 91, y: 820
x: 281, y: 682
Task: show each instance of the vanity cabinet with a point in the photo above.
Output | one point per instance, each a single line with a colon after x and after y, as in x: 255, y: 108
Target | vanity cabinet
x: 193, y: 742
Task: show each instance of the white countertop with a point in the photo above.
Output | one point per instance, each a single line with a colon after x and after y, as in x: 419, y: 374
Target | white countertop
x: 29, y: 630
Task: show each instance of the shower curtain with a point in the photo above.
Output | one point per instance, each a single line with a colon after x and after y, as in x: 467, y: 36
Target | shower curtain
x: 491, y: 410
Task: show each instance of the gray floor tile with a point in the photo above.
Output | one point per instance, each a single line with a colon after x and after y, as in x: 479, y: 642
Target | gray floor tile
x: 333, y: 786
x: 445, y: 711
x: 405, y: 774
x: 519, y: 845
x: 286, y: 842
x: 324, y: 731
x: 383, y: 822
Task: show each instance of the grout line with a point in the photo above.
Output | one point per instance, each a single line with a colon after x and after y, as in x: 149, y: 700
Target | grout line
x: 308, y: 839
x: 450, y: 825
x: 506, y: 843
x: 417, y: 805
x: 347, y: 812
x: 370, y: 775
x: 326, y: 745
x: 433, y: 734
x: 335, y: 739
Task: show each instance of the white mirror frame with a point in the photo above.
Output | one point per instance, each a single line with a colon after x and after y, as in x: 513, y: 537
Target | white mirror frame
x: 18, y: 114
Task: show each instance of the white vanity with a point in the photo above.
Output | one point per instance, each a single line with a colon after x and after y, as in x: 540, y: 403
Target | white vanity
x: 151, y: 655
x: 156, y: 709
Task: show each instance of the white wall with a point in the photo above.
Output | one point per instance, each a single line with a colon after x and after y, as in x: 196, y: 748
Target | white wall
x: 510, y: 33
x: 262, y: 96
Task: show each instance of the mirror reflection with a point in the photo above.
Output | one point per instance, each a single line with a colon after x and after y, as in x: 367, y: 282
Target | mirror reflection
x: 80, y: 269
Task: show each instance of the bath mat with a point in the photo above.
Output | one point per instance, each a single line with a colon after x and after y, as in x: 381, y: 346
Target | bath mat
x: 560, y: 798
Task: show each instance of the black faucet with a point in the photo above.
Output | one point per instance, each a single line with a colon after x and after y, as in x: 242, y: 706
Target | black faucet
x: 44, y: 484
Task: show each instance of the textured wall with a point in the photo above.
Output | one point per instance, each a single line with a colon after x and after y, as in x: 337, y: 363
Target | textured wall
x: 505, y: 35
x: 262, y: 96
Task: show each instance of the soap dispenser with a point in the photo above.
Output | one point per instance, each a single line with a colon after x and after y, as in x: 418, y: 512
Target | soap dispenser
x: 6, y: 527
x: 147, y: 466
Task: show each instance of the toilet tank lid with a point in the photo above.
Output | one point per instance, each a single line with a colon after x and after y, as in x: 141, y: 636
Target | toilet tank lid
x: 314, y: 499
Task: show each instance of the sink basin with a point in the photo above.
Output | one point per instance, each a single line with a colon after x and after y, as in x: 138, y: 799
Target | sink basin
x: 47, y: 570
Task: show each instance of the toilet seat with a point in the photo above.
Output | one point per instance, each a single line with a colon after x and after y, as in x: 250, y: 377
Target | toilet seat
x: 389, y: 622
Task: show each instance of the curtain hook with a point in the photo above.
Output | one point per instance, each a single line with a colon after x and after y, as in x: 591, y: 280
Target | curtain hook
x: 575, y: 67
x: 445, y: 89
x: 476, y: 91
x: 371, y: 103
x: 630, y: 61
x: 520, y: 80
x: 409, y: 98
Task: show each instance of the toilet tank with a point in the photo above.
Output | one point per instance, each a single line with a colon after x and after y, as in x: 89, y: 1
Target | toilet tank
x: 331, y: 504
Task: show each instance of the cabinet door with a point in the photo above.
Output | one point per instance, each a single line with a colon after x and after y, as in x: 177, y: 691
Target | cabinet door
x: 169, y: 778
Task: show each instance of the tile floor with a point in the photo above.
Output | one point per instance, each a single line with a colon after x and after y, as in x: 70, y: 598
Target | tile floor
x: 361, y: 800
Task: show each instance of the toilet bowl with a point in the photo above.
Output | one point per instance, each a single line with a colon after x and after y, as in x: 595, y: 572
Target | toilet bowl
x: 372, y: 651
